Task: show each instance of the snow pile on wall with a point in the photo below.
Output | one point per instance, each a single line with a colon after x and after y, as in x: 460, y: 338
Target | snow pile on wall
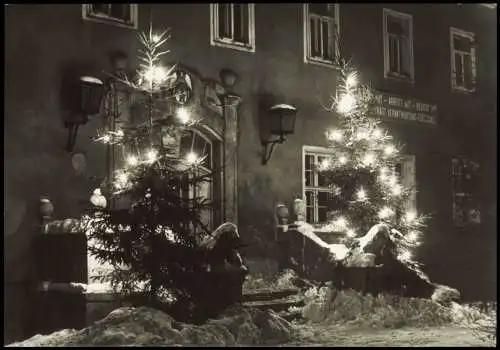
x: 146, y: 326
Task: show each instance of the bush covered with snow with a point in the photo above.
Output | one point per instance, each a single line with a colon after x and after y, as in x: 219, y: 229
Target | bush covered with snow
x: 328, y: 305
x: 287, y: 279
x: 145, y: 326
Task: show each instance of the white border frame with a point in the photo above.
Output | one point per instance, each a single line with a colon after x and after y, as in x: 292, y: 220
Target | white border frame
x: 214, y: 25
x: 134, y: 11
x: 469, y: 35
x: 307, y: 38
x: 385, y: 38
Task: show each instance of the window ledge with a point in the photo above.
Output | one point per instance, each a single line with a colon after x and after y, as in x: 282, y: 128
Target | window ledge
x: 111, y: 21
x: 233, y: 45
x: 463, y: 90
x: 400, y: 78
x: 321, y: 63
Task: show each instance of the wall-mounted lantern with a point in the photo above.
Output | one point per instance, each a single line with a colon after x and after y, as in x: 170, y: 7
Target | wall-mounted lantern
x: 91, y: 93
x: 281, y: 122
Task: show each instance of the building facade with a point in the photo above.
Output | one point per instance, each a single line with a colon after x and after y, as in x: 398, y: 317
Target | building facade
x: 433, y: 68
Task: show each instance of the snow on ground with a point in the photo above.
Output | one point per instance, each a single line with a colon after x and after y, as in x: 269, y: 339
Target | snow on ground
x: 128, y: 326
x: 348, y: 336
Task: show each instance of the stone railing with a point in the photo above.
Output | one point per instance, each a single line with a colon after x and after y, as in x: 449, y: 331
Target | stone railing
x: 297, y: 250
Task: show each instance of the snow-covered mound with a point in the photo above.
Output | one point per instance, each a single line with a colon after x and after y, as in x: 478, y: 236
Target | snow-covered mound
x: 146, y: 326
x: 327, y: 305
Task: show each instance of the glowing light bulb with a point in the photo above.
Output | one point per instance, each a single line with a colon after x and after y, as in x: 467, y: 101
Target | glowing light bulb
x: 410, y: 216
x: 335, y: 135
x: 340, y: 223
x: 351, y: 80
x: 377, y: 133
x: 191, y: 158
x: 324, y: 164
x: 156, y: 38
x: 361, y: 135
x: 369, y: 159
x: 183, y: 115
x: 132, y: 160
x: 122, y: 178
x: 342, y: 159
x: 412, y: 236
x: 350, y: 233
x: 346, y: 104
x: 155, y: 74
x: 405, y: 255
x: 390, y: 149
x: 396, y: 190
x: 392, y: 180
x: 385, y: 212
x: 151, y: 156
x: 361, y: 194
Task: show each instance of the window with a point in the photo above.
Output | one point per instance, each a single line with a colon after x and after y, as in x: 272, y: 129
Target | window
x: 405, y: 169
x: 232, y: 25
x: 119, y: 14
x: 316, y: 191
x: 195, y: 141
x: 465, y: 185
x: 463, y: 60
x: 398, y: 45
x: 321, y: 33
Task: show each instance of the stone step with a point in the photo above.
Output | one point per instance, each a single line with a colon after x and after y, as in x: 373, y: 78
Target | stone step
x: 277, y: 305
x: 290, y: 315
x: 268, y: 294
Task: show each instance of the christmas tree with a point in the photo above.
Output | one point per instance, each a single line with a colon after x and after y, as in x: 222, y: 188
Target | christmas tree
x: 365, y: 187
x: 149, y: 228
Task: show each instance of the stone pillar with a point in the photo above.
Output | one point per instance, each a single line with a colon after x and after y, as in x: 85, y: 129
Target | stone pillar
x: 46, y: 210
x: 282, y: 244
x: 231, y: 103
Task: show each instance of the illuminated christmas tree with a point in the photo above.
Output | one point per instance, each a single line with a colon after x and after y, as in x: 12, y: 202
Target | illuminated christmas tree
x: 150, y: 228
x: 365, y: 186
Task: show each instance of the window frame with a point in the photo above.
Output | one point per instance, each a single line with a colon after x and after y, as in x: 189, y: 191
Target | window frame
x: 231, y: 44
x: 471, y: 36
x: 470, y: 195
x: 315, y: 151
x: 101, y: 18
x: 192, y: 191
x: 387, y: 73
x: 307, y: 45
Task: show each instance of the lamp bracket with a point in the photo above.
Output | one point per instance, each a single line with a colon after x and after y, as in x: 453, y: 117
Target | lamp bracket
x: 269, y: 148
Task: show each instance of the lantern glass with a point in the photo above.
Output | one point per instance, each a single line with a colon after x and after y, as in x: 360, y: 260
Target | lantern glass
x: 282, y: 120
x: 92, y: 92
